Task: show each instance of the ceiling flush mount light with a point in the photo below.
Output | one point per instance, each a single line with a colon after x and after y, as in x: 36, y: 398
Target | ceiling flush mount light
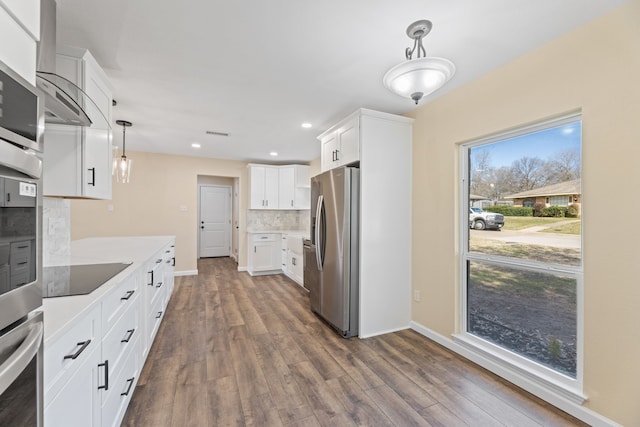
x: 195, y: 145
x: 122, y: 165
x: 416, y: 78
x: 273, y: 153
x: 306, y: 125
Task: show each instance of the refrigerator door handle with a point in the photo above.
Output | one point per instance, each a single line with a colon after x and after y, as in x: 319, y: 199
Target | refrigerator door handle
x: 318, y: 224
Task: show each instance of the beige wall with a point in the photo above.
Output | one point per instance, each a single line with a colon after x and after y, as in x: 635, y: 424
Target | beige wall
x: 594, y: 69
x: 150, y: 204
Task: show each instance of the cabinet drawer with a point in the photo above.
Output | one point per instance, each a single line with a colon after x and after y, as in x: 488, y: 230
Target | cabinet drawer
x: 117, y: 301
x: 121, y: 388
x: 154, y: 317
x: 265, y: 237
x: 122, y: 336
x: 63, y: 357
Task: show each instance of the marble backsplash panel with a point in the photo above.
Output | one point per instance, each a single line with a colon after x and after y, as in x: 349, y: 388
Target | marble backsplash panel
x: 56, y: 230
x: 274, y: 220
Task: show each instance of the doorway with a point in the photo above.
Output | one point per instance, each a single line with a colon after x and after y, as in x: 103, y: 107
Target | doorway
x: 214, y: 221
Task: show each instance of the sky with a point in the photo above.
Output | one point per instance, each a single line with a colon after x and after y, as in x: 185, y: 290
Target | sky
x: 542, y: 144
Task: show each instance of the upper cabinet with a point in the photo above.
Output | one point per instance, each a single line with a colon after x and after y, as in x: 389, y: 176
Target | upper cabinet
x: 264, y: 182
x: 341, y: 144
x: 77, y: 160
x: 294, y: 187
x: 279, y: 187
x: 20, y: 31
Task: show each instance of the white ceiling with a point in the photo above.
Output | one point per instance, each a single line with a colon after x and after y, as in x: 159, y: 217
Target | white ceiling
x: 259, y: 69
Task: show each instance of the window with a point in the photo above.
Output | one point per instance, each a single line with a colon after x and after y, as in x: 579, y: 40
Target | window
x: 522, y: 292
x: 559, y: 200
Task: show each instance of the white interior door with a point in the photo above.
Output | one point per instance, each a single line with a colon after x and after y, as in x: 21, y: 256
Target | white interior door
x: 215, y: 221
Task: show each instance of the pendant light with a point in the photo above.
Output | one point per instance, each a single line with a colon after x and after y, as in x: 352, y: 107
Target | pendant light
x: 122, y: 165
x: 416, y: 78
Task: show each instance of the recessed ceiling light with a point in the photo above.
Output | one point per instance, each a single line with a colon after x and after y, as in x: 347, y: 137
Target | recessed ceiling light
x: 195, y: 145
x: 273, y: 153
x: 306, y: 125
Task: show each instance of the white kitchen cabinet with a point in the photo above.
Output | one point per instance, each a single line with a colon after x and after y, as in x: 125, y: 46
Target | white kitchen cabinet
x: 265, y: 253
x: 294, y: 187
x: 73, y: 373
x: 78, y: 160
x: 279, y: 187
x: 95, y: 387
x: 341, y: 145
x: 263, y: 187
x: 384, y: 144
x: 20, y: 30
x: 294, y: 266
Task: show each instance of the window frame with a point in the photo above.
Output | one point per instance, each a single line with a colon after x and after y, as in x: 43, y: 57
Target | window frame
x: 541, y: 376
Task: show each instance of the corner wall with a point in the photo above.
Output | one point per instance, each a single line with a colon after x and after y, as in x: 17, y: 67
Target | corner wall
x: 594, y: 69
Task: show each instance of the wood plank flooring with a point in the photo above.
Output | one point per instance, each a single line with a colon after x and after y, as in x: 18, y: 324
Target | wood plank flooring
x: 236, y: 350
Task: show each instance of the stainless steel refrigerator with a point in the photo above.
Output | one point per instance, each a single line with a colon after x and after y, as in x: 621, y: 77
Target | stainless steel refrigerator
x: 331, y: 267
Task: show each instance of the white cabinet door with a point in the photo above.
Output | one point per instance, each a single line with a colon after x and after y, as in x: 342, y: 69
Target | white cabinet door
x: 341, y: 144
x: 78, y: 404
x: 256, y: 187
x: 77, y: 161
x: 262, y: 256
x: 263, y: 187
x: 286, y: 193
x: 348, y: 142
x: 329, y: 151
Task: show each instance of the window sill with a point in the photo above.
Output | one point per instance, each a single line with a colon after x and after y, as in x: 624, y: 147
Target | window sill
x: 524, y: 373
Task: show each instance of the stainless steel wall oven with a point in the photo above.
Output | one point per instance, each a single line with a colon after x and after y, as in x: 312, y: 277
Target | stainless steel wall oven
x: 21, y: 324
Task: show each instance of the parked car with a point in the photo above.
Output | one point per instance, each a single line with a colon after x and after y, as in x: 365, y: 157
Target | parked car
x: 483, y: 220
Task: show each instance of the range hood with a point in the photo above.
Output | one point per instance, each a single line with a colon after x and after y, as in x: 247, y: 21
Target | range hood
x: 64, y: 102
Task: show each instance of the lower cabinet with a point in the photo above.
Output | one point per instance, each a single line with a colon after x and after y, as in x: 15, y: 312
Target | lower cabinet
x: 90, y: 371
x: 265, y: 253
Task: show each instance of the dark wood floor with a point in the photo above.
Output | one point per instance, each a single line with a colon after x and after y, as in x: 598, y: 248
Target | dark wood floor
x: 235, y: 350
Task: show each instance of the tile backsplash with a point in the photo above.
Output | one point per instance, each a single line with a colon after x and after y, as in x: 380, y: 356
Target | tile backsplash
x: 274, y: 220
x: 56, y: 227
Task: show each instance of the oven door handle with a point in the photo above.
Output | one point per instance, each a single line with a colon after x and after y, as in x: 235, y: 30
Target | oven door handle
x: 13, y: 366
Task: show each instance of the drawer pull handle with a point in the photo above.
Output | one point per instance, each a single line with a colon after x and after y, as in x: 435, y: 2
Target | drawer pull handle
x: 151, y: 282
x: 159, y: 315
x: 127, y: 296
x: 106, y: 375
x: 23, y: 247
x: 168, y: 261
x: 75, y: 355
x: 129, y: 335
x: 159, y: 284
x: 130, y: 381
x: 159, y: 260
x: 23, y: 263
x: 166, y: 252
x: 173, y: 262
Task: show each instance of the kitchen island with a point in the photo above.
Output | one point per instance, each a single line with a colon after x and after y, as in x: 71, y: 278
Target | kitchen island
x: 96, y: 344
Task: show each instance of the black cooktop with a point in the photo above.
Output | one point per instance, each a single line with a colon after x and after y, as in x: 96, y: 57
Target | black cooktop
x: 67, y: 280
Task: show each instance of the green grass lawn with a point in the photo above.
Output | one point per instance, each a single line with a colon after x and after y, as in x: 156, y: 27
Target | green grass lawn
x: 522, y: 222
x: 572, y: 228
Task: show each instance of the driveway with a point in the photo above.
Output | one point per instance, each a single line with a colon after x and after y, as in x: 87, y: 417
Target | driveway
x: 531, y: 236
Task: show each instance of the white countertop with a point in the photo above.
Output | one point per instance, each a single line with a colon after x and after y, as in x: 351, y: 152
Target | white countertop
x: 60, y: 312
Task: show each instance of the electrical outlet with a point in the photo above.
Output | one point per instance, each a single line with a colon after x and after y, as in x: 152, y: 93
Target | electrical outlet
x: 416, y: 295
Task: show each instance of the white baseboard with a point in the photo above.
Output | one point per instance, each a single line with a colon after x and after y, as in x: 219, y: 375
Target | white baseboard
x: 585, y: 414
x: 389, y: 331
x: 242, y: 268
x: 186, y: 273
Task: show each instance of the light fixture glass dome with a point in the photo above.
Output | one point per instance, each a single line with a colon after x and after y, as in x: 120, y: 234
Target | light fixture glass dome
x: 416, y: 78
x: 419, y: 77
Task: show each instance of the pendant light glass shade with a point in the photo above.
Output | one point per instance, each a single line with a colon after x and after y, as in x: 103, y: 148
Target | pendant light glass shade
x: 122, y: 165
x: 419, y: 77
x: 122, y: 169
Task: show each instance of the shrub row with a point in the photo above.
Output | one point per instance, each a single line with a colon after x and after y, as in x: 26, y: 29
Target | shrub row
x: 510, y: 210
x: 572, y: 211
